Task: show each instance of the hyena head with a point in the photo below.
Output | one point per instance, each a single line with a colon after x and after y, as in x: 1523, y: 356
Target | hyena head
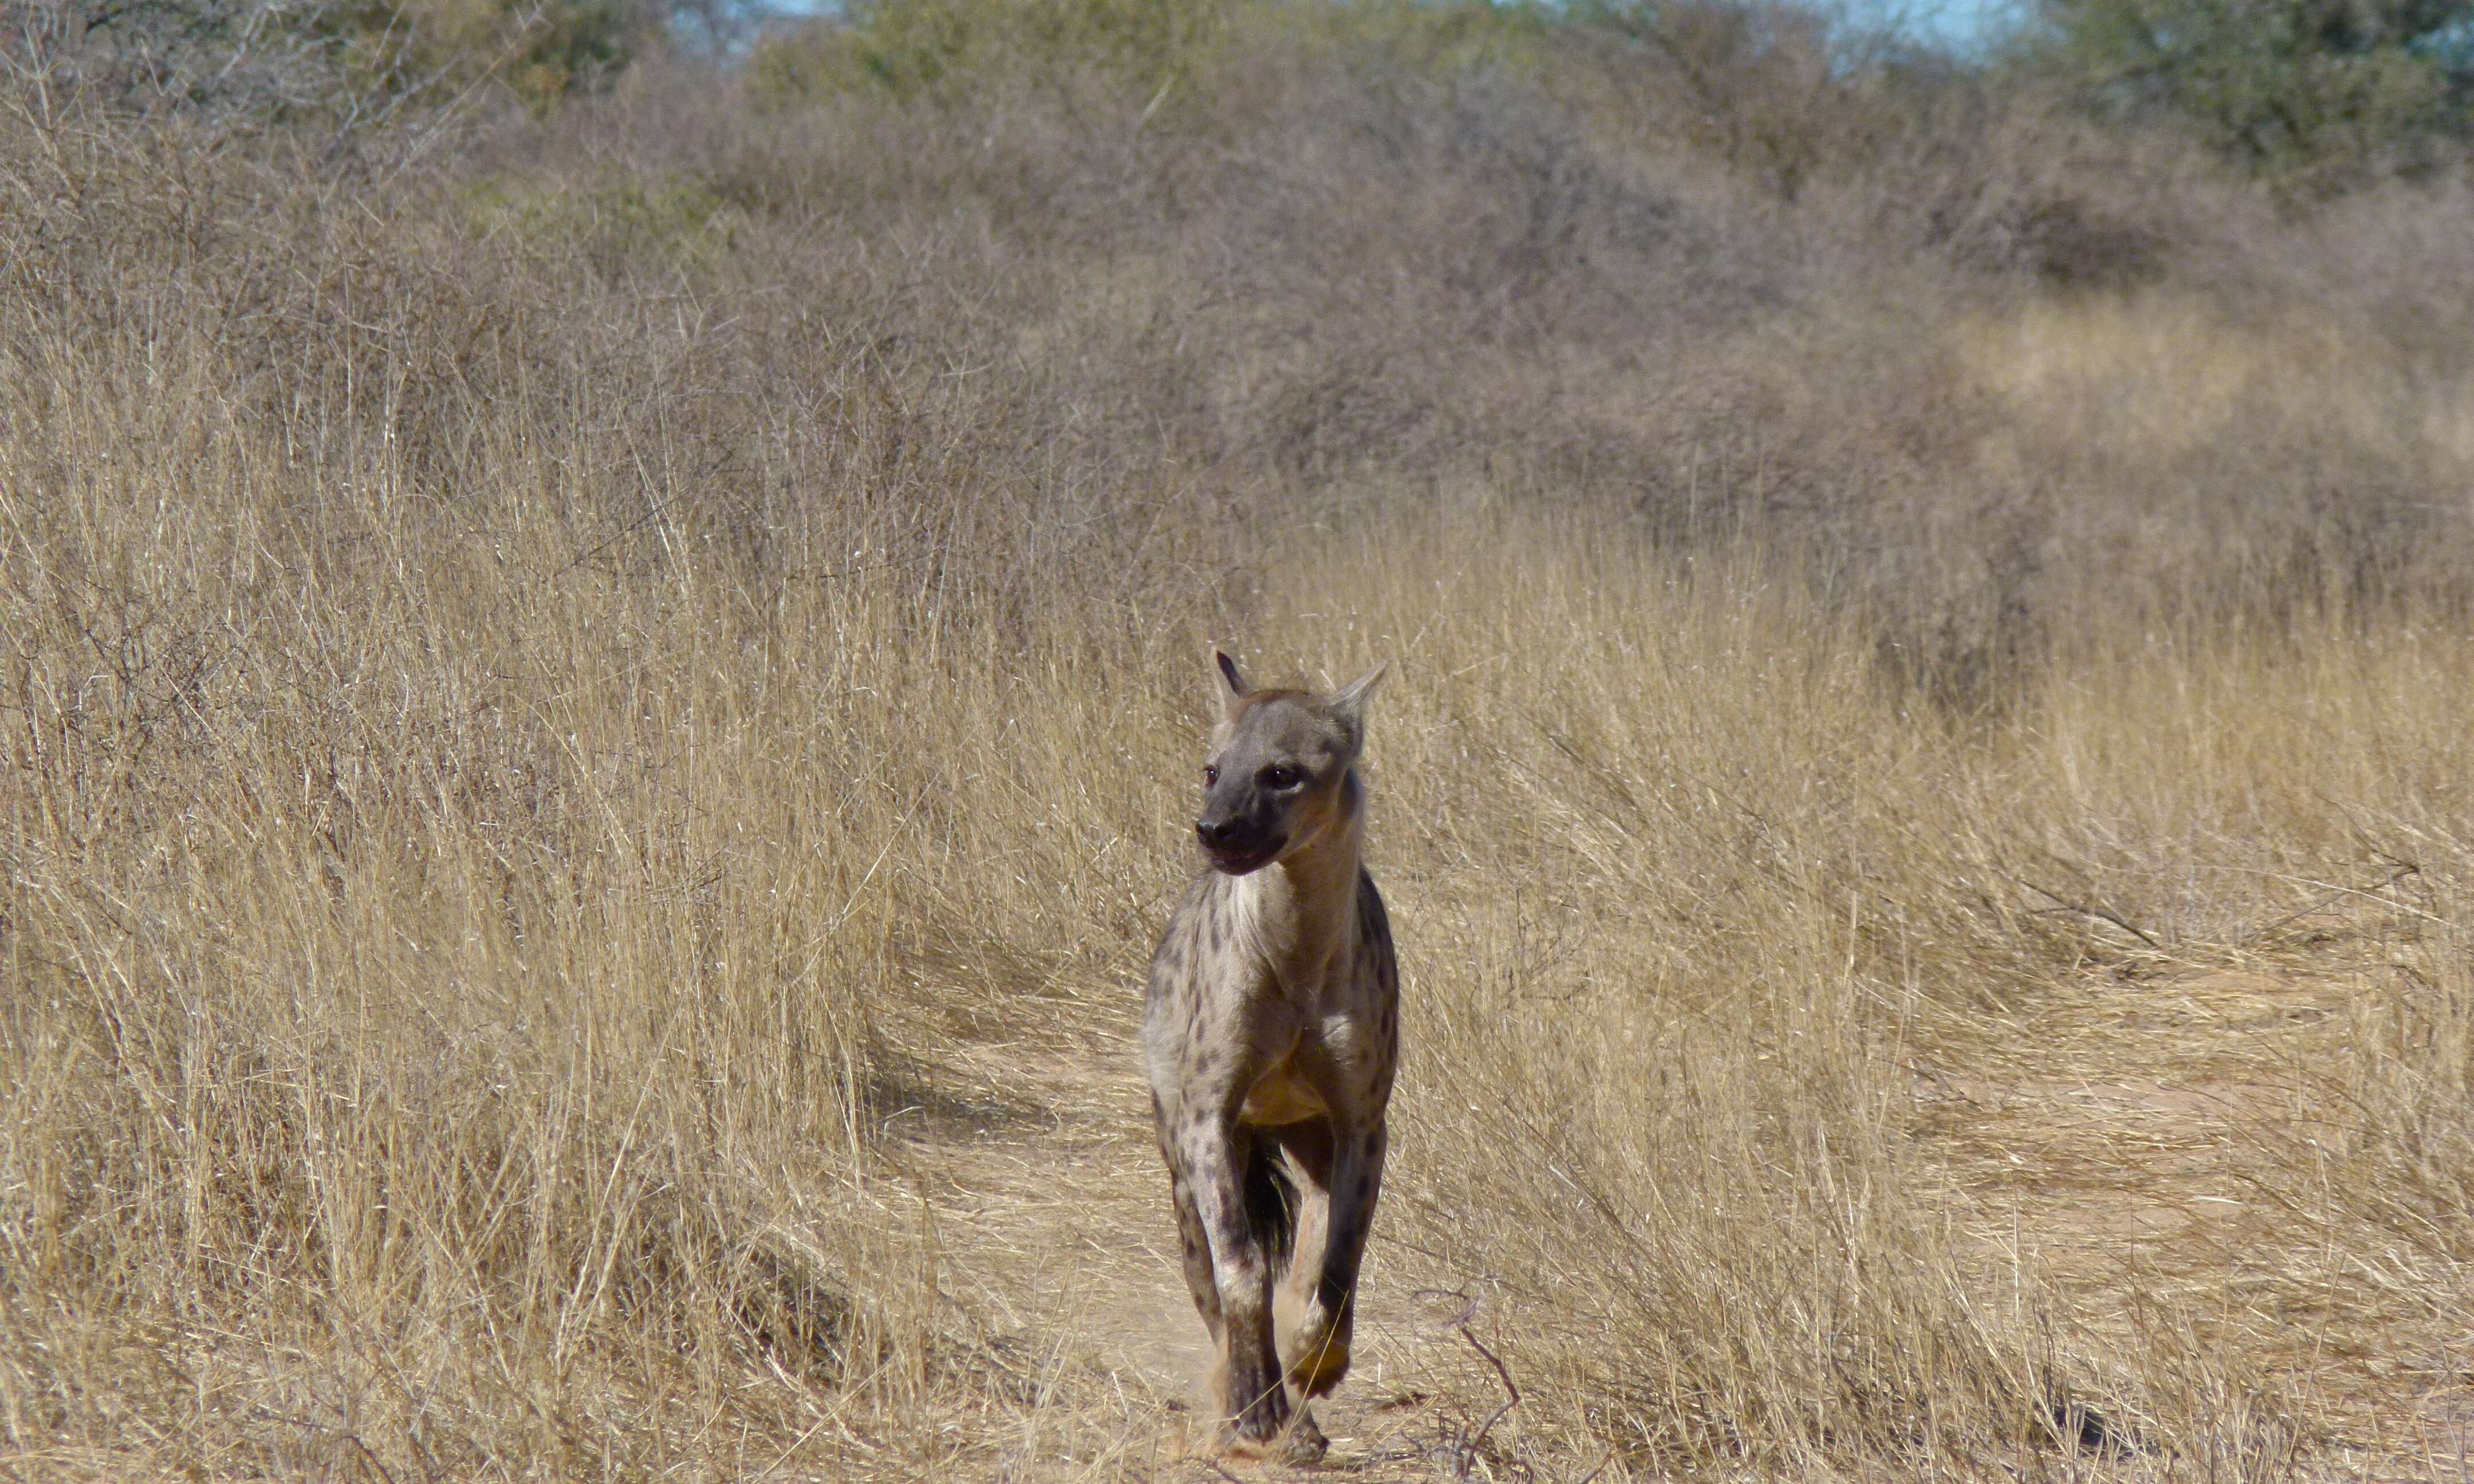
x: 1278, y: 774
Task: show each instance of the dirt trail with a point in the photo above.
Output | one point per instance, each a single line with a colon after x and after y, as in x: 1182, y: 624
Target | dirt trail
x: 2117, y: 1131
x: 1058, y: 1227
x: 2135, y: 1143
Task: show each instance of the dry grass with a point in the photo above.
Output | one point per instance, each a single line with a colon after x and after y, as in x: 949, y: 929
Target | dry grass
x: 594, y: 727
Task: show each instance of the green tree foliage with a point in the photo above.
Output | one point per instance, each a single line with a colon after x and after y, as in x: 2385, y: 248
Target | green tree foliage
x: 1161, y: 48
x: 2314, y: 85
x: 911, y: 46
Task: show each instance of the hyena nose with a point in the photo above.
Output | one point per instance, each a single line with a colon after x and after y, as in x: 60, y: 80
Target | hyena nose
x: 1215, y: 831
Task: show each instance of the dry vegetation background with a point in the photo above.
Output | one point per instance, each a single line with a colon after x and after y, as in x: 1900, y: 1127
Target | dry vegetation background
x: 599, y: 701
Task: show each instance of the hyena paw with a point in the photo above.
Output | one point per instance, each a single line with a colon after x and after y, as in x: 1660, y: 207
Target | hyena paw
x: 1304, y: 1444
x: 1299, y: 1445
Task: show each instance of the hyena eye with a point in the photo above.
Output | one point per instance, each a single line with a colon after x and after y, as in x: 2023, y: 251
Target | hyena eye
x: 1282, y: 776
x: 1210, y: 776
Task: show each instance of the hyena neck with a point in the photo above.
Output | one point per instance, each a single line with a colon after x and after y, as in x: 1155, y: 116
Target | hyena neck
x: 1307, y: 903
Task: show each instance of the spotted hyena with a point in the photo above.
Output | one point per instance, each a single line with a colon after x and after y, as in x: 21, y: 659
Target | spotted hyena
x: 1270, y: 1032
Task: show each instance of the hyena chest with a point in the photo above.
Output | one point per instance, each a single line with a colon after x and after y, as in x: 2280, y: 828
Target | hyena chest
x: 1338, y: 1059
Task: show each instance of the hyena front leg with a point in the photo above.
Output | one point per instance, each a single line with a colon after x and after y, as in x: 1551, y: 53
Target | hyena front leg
x: 1302, y: 1324
x: 1194, y: 1239
x: 1253, y: 1404
x: 1320, y: 1348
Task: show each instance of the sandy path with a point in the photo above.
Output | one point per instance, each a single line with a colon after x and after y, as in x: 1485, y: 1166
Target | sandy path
x: 1057, y: 1227
x: 2132, y: 1142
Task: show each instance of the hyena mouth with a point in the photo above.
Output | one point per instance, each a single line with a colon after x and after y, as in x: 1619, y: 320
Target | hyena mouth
x: 1244, y: 860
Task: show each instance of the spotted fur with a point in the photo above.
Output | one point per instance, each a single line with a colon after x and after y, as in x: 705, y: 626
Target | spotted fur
x: 1270, y: 1034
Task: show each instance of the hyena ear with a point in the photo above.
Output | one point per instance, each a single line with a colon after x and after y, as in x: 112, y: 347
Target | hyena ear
x: 1348, y: 705
x: 1232, y: 688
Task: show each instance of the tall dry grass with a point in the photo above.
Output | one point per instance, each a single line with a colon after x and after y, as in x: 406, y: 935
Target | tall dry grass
x: 1701, y: 908
x: 566, y: 700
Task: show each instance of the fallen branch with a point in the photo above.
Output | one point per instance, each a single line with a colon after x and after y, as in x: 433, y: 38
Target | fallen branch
x: 1510, y: 1393
x: 1464, y: 1450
